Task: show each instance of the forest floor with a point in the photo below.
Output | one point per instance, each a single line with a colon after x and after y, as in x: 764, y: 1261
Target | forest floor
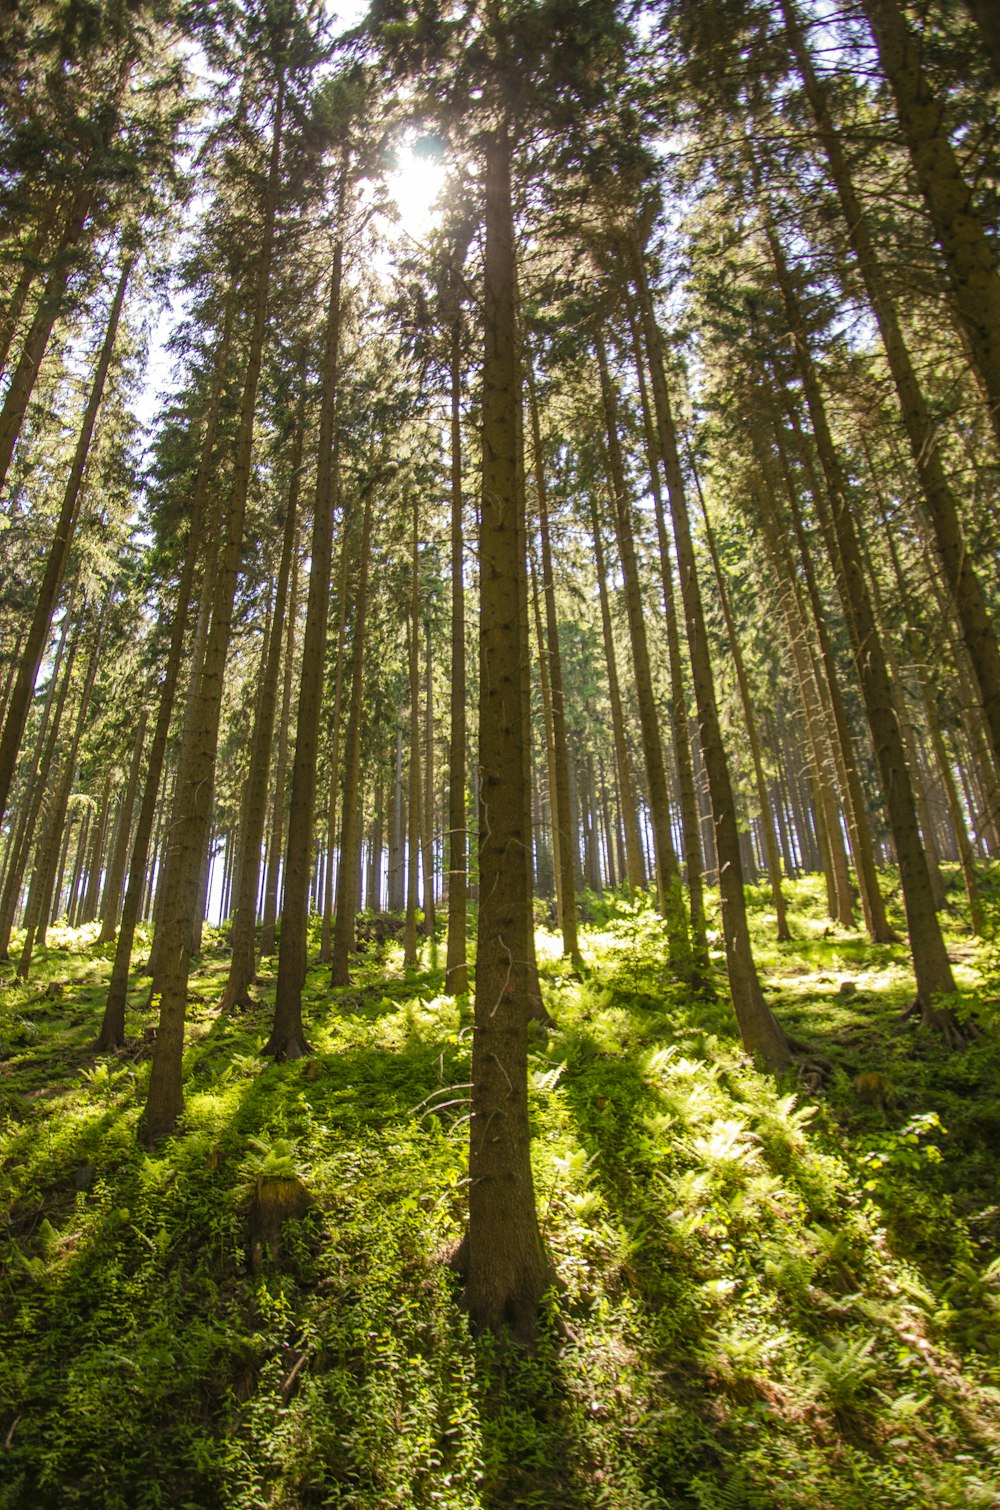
x: 768, y: 1297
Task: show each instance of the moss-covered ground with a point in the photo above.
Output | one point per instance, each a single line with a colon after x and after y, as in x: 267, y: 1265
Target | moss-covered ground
x: 769, y: 1295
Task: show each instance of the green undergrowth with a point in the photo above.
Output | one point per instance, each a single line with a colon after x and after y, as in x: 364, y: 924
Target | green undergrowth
x: 768, y: 1296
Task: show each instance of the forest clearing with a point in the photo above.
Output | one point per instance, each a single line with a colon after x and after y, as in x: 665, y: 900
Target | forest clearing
x: 499, y: 754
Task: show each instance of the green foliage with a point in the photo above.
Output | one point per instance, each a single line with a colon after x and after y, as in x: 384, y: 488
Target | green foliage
x: 762, y: 1301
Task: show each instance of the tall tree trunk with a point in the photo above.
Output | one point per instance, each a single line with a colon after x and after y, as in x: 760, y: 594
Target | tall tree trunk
x: 969, y: 258
x: 690, y: 821
x: 397, y: 833
x: 24, y: 829
x: 242, y: 965
x: 343, y: 575
x: 667, y: 869
x: 456, y: 966
x: 413, y: 796
x: 287, y: 1040
x: 50, y: 307
x: 87, y: 911
x: 116, y: 870
x: 759, y: 1028
x: 427, y: 808
x: 930, y: 958
x: 278, y: 805
x: 629, y: 807
x: 166, y: 1096
x: 55, y: 565
x: 564, y: 837
x: 921, y: 428
x: 502, y: 1256
x: 40, y: 891
x: 872, y: 903
x: 348, y: 872
x: 749, y: 719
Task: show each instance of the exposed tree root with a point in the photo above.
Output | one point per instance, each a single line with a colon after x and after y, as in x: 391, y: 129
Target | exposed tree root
x: 943, y: 1021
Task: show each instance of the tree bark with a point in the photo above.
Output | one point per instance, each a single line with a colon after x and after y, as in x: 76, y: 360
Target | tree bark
x: 456, y: 965
x: 564, y: 838
x: 970, y: 261
x: 188, y: 841
x: 348, y: 877
x: 504, y: 1263
x: 242, y: 966
x: 930, y: 958
x: 942, y: 507
x: 287, y: 1040
x: 55, y: 565
x: 759, y: 1028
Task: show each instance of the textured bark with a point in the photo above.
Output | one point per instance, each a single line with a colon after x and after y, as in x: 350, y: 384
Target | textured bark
x: 921, y: 428
x: 287, y: 1040
x: 872, y: 902
x: 332, y: 807
x: 564, y: 839
x: 503, y: 1260
x: 456, y: 967
x: 50, y: 306
x: 242, y: 966
x: 87, y: 910
x: 40, y: 890
x: 195, y: 785
x: 111, y: 905
x: 427, y: 807
x: 667, y: 869
x: 627, y: 803
x: 969, y: 258
x: 690, y: 819
x: 348, y: 872
x: 55, y: 565
x: 278, y: 803
x: 832, y: 855
x: 414, y: 789
x: 25, y: 828
x: 930, y: 958
x: 753, y: 737
x: 759, y: 1028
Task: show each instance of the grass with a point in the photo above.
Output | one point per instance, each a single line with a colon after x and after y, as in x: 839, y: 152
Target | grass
x: 766, y: 1299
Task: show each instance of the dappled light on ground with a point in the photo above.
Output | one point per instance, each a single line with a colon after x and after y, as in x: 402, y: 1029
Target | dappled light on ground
x: 765, y: 1298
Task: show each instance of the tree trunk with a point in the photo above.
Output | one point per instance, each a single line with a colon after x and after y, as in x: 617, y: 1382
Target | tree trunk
x: 629, y: 808
x: 48, y: 852
x: 50, y: 307
x: 564, y: 839
x: 31, y: 802
x: 970, y: 261
x: 759, y: 1028
x: 921, y: 429
x: 667, y: 868
x: 930, y: 958
x: 456, y: 966
x: 287, y: 1040
x: 502, y: 1257
x: 242, y: 965
x: 413, y: 803
x: 116, y: 870
x: 348, y: 872
x: 55, y: 565
x: 427, y: 808
x: 749, y: 719
x: 690, y: 821
x: 165, y: 1098
x: 278, y: 804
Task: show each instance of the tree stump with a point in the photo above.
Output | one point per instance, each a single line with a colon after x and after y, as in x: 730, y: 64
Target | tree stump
x: 277, y: 1198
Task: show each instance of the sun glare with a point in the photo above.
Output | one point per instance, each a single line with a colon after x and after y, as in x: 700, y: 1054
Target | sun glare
x: 415, y: 185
